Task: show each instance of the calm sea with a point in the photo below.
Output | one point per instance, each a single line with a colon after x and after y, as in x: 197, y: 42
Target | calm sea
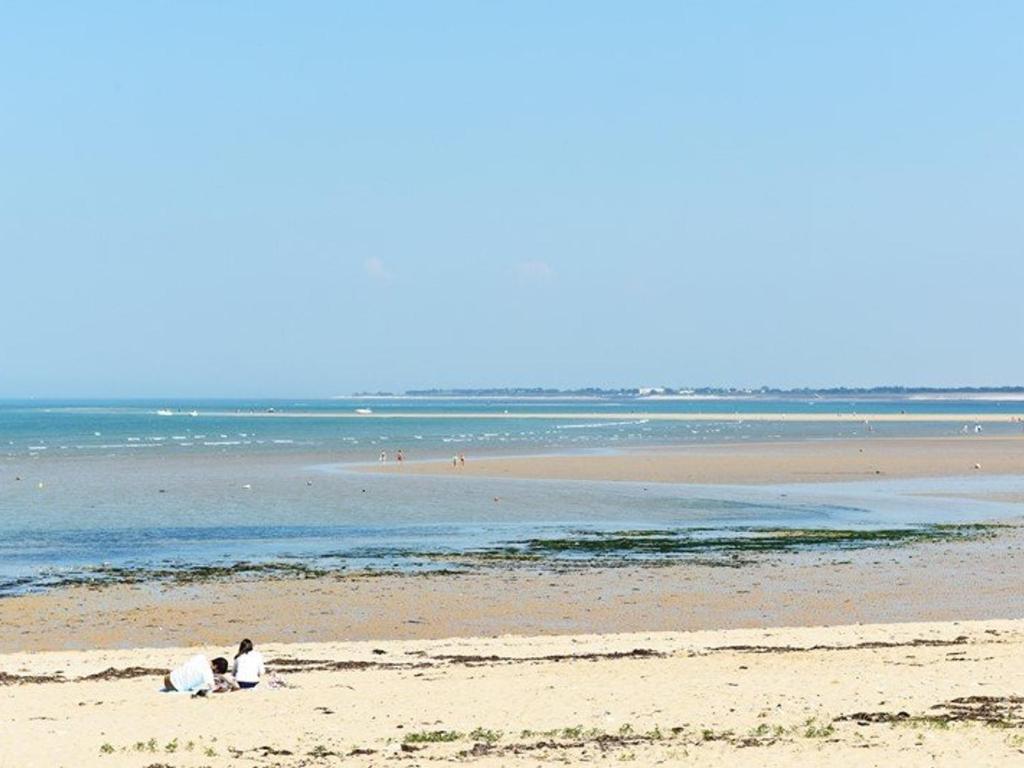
x: 174, y: 484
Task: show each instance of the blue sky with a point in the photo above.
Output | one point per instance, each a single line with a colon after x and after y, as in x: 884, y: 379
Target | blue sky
x: 242, y: 198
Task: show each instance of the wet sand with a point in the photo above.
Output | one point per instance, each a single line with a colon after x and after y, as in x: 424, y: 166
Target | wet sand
x: 908, y: 695
x: 1005, y: 497
x: 932, y: 581
x: 755, y: 463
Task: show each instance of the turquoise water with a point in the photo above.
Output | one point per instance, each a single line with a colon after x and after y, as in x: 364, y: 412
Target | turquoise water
x: 88, y: 483
x: 244, y: 426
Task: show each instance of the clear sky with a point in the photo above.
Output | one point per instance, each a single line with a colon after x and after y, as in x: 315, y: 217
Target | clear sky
x: 312, y: 198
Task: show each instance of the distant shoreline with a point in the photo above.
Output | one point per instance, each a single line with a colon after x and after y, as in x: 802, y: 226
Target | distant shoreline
x: 697, y: 393
x: 915, y: 397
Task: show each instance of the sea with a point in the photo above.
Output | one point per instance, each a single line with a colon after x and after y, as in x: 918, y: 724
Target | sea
x: 92, y: 490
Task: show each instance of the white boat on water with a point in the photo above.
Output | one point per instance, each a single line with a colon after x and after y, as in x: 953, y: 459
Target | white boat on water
x: 165, y: 412
x: 364, y: 411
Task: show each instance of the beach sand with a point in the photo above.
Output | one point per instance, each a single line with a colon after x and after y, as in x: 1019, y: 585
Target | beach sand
x: 883, y: 695
x: 783, y: 462
x: 890, y: 655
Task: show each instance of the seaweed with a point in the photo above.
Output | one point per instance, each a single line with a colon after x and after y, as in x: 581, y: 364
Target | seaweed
x: 917, y: 642
x: 731, y: 547
x: 993, y: 711
x: 746, y: 540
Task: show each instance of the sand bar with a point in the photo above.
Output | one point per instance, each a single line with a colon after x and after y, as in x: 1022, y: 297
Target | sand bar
x: 770, y: 463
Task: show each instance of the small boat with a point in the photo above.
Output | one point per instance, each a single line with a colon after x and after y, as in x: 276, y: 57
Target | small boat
x: 364, y: 411
x: 193, y: 413
x: 165, y: 412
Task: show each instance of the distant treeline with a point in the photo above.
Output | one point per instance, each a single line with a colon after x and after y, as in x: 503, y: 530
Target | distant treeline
x: 523, y: 392
x: 698, y: 391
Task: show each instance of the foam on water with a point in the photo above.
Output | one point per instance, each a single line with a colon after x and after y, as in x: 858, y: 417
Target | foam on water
x: 603, y: 424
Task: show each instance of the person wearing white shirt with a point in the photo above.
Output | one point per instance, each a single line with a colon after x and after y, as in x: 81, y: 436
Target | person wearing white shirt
x: 196, y: 674
x: 248, y: 667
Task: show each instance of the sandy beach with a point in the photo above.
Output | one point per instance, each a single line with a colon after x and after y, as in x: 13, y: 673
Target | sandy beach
x: 782, y: 462
x: 888, y: 654
x: 910, y: 694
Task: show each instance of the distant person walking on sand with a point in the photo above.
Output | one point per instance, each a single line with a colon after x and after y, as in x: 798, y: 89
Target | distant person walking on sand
x: 455, y: 461
x: 248, y: 667
x: 383, y: 458
x: 196, y: 674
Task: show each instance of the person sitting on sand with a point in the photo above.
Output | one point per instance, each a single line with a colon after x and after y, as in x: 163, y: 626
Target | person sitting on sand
x: 248, y: 667
x: 197, y: 674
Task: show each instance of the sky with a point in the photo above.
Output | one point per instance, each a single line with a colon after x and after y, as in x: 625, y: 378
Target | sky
x: 315, y: 198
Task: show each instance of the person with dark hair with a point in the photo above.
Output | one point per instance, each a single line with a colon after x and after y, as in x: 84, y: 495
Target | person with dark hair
x: 196, y: 674
x: 248, y: 667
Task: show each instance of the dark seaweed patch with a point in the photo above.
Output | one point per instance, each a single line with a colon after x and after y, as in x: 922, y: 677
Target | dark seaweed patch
x: 636, y: 653
x: 994, y: 711
x: 189, y: 574
x: 743, y: 540
x: 126, y: 673
x: 917, y: 642
x: 7, y: 678
x: 286, y: 664
x: 713, y: 547
x: 112, y: 673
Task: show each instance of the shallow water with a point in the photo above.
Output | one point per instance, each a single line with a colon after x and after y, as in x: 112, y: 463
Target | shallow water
x: 248, y: 486
x: 125, y: 428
